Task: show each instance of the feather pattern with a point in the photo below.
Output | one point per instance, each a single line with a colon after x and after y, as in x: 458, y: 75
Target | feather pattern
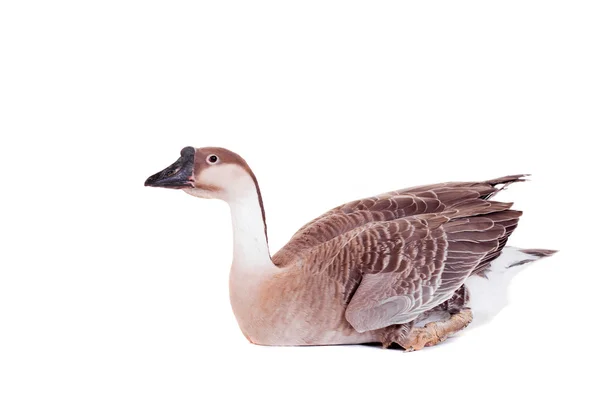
x: 402, y: 253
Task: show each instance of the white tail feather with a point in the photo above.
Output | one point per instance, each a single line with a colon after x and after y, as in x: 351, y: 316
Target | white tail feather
x: 489, y: 295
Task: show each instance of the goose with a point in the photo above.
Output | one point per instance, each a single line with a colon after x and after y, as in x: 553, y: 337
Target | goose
x: 373, y: 270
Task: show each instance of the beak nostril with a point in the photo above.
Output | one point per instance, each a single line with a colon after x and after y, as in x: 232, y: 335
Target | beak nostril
x: 173, y: 171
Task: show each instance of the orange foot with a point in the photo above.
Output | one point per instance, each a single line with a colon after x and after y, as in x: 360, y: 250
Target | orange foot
x: 436, y: 332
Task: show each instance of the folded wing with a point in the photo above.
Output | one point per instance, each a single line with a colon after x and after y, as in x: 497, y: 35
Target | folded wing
x: 386, y: 207
x: 400, y: 254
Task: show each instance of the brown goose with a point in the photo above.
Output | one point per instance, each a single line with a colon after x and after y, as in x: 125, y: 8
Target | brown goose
x: 367, y: 271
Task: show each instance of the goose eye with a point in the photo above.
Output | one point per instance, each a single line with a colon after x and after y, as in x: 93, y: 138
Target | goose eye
x: 212, y: 159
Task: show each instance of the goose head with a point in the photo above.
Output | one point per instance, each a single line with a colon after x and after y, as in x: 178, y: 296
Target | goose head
x: 208, y: 172
x: 218, y: 173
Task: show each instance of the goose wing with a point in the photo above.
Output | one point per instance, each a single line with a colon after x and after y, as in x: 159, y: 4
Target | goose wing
x: 389, y: 272
x: 398, y: 255
x: 387, y: 207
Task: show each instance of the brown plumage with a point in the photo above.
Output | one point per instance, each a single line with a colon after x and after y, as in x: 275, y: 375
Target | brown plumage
x: 415, y: 246
x: 365, y: 271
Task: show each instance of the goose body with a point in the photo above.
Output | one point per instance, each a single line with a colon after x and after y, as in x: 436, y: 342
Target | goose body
x: 367, y: 271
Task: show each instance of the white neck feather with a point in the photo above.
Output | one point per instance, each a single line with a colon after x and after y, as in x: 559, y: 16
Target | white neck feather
x: 250, y: 248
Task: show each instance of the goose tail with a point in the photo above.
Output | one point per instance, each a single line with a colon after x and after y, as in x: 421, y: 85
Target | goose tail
x: 488, y: 291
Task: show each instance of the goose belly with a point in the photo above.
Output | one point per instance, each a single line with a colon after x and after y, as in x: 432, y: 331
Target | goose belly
x: 295, y: 309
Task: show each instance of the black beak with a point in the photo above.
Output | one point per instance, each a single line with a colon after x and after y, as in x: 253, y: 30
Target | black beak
x: 177, y: 175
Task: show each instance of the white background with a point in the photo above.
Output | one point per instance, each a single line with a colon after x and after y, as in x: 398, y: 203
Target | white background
x: 110, y: 290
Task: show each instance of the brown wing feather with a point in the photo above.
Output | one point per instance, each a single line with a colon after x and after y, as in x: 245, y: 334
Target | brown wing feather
x: 428, y: 267
x: 403, y: 253
x: 389, y: 206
